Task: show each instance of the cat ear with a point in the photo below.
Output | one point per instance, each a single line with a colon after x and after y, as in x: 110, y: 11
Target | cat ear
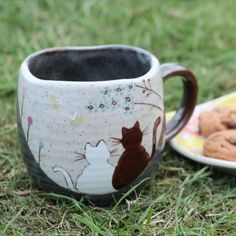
x: 137, y: 124
x: 124, y: 130
x: 101, y: 143
x: 88, y: 146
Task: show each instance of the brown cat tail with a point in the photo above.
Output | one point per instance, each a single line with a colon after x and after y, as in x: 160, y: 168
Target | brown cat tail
x: 154, y: 135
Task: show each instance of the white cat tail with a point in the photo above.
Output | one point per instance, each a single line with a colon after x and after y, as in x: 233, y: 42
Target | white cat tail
x: 66, y: 176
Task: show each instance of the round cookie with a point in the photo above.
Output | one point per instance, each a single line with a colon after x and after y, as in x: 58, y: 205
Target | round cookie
x: 212, y: 121
x: 229, y: 119
x: 221, y: 145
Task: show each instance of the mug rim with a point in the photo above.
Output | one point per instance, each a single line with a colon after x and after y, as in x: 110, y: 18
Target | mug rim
x: 27, y: 74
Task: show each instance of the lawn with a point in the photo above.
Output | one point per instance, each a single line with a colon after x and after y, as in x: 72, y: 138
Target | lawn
x: 185, y: 198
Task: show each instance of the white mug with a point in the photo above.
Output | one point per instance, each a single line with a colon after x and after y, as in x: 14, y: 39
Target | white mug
x: 91, y: 119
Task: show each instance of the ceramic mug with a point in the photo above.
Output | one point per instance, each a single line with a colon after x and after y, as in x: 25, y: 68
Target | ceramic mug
x: 91, y: 120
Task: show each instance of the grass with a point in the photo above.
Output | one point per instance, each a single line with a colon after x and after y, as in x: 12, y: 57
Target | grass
x: 185, y: 198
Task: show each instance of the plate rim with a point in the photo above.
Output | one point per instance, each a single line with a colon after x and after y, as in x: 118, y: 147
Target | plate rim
x: 201, y: 158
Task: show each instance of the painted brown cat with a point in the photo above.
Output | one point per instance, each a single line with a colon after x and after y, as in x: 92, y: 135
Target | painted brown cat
x: 135, y: 158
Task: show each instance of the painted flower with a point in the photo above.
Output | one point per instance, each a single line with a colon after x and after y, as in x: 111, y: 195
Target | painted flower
x: 119, y: 90
x: 128, y: 110
x: 91, y: 107
x: 129, y: 99
x: 131, y: 86
x: 30, y: 120
x: 41, y: 144
x: 102, y: 106
x: 115, y: 103
x: 128, y: 105
x: 106, y: 91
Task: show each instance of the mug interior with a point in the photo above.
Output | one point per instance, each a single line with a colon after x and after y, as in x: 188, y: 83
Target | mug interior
x: 99, y: 64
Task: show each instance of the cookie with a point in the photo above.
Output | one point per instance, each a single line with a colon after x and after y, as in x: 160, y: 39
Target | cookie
x: 229, y: 119
x: 221, y: 145
x: 213, y: 121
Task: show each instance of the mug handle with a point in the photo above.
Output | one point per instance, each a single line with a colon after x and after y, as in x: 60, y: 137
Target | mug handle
x: 189, y: 99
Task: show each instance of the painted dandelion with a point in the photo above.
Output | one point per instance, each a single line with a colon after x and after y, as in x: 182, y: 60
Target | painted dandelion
x: 30, y: 122
x: 41, y: 146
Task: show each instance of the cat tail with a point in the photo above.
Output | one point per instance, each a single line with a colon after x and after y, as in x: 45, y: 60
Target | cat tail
x: 66, y: 176
x: 154, y: 135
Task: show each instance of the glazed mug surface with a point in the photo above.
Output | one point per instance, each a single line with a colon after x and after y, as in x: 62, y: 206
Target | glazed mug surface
x: 91, y: 120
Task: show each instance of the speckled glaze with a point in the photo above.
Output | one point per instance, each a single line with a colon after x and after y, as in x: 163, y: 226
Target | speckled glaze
x: 75, y: 134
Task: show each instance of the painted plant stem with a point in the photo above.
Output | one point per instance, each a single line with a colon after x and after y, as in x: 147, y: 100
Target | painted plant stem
x: 145, y: 88
x: 39, y: 155
x: 41, y: 146
x: 27, y: 136
x: 30, y: 122
x: 22, y: 103
x: 149, y: 104
x: 22, y: 107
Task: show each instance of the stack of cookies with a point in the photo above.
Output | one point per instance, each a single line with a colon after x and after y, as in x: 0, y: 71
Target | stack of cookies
x: 219, y: 127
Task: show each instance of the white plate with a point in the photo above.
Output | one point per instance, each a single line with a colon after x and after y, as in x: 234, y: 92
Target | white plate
x: 189, y: 142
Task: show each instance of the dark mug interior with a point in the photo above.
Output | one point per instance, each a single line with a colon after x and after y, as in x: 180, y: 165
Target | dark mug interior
x: 99, y: 64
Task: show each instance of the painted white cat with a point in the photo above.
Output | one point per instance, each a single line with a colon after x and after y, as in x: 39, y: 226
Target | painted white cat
x: 96, y: 178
